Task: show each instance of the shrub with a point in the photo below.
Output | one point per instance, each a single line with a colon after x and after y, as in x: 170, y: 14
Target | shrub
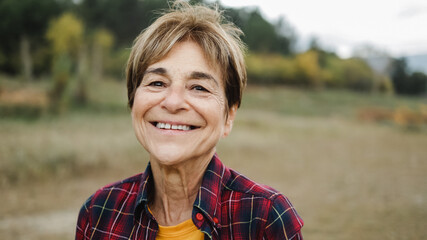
x: 27, y: 103
x: 270, y: 69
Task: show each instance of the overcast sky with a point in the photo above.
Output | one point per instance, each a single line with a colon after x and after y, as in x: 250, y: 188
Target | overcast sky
x: 398, y: 27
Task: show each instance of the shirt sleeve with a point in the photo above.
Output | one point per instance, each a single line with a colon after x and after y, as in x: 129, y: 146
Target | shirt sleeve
x: 83, y: 228
x: 283, y: 221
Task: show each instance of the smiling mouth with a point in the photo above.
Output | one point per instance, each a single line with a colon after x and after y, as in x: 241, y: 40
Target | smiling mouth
x: 169, y: 126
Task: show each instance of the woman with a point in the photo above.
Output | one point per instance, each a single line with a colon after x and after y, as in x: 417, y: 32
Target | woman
x: 185, y: 79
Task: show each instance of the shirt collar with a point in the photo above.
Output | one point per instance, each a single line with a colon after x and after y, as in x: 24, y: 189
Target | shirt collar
x: 208, y: 198
x: 145, y: 186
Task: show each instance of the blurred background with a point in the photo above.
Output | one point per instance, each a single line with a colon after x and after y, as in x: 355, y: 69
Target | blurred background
x: 335, y: 114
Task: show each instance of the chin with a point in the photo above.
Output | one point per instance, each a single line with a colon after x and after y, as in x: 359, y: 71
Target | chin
x: 171, y: 156
x: 167, y: 160
x: 168, y: 157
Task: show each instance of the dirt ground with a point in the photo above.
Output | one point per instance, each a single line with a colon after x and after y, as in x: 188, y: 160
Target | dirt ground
x: 348, y: 180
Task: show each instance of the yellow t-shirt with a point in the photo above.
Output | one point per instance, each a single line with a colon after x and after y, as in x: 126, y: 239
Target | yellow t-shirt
x: 185, y: 230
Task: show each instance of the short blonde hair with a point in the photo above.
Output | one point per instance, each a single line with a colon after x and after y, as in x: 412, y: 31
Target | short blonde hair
x: 219, y: 39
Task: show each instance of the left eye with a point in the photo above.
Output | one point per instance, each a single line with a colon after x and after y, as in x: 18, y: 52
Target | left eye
x: 200, y: 88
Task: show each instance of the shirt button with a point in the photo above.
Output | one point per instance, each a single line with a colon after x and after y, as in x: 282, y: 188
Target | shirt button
x: 215, y: 220
x: 199, y: 216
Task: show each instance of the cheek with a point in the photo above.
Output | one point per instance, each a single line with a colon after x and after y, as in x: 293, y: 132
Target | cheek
x: 136, y: 123
x: 139, y: 109
x: 218, y: 116
x: 222, y: 107
x: 136, y: 111
x: 134, y: 115
x: 142, y: 102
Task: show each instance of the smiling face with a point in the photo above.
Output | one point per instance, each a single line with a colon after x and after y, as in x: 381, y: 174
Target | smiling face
x: 179, y: 112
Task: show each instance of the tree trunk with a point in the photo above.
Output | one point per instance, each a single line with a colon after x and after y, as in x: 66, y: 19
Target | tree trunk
x: 61, y: 75
x: 81, y: 94
x: 97, y: 62
x: 27, y: 63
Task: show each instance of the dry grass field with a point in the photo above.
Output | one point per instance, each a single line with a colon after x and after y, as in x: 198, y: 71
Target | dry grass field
x: 348, y: 179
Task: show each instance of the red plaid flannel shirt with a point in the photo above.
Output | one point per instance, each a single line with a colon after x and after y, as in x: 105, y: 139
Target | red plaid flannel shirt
x: 228, y: 206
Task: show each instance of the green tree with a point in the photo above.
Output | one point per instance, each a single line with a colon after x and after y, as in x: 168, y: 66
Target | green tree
x: 270, y: 69
x: 308, y: 69
x: 22, y: 27
x: 65, y: 34
x: 358, y: 75
x: 103, y: 40
x: 124, y: 18
x: 261, y: 35
x: 399, y: 75
x: 405, y: 83
x: 417, y: 82
x: 66, y: 37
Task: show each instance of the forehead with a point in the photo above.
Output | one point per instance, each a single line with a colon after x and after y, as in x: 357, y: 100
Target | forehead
x: 187, y: 56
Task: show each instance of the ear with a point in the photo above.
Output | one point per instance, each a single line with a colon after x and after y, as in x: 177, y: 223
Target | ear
x: 229, y: 121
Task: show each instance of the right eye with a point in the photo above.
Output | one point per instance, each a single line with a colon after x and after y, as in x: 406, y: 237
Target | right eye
x: 156, y: 84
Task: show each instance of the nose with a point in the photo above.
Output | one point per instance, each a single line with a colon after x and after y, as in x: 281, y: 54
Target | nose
x: 174, y: 100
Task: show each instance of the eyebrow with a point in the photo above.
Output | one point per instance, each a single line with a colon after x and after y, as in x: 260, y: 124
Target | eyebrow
x: 202, y: 75
x: 194, y: 75
x: 160, y: 71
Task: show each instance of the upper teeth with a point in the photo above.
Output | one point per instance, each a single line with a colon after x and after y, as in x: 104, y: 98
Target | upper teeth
x: 171, y: 126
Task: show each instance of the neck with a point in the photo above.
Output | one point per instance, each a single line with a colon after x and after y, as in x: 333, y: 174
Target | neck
x: 176, y: 189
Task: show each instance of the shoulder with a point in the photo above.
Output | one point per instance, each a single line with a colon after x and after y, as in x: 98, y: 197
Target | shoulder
x: 117, y: 190
x: 109, y: 196
x: 283, y: 220
x: 238, y: 183
x: 107, y: 202
x: 278, y: 214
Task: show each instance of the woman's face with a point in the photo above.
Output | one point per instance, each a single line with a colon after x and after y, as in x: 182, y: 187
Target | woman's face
x: 179, y: 111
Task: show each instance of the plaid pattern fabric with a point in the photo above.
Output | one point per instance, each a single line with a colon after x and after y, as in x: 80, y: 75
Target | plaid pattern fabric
x: 228, y: 206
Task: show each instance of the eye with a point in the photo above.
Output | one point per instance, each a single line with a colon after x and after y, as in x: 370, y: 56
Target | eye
x: 199, y: 88
x: 156, y: 84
